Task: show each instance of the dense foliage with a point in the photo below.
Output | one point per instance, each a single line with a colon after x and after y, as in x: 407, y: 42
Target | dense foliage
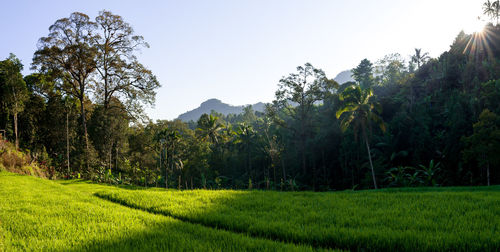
x: 428, y: 121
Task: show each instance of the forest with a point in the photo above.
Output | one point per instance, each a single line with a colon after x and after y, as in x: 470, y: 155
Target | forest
x: 404, y: 122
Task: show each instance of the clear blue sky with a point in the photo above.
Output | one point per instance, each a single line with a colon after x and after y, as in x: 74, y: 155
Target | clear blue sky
x: 237, y: 51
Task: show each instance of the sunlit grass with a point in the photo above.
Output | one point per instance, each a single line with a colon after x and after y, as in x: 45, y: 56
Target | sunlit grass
x: 38, y: 214
x: 425, y: 219
x: 42, y: 215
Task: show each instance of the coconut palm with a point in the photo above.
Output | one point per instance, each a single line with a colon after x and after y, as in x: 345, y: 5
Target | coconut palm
x: 245, y: 137
x: 360, y: 111
x: 492, y: 9
x: 209, y: 128
x: 419, y: 58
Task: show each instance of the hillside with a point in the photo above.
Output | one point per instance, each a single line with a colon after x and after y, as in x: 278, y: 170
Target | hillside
x: 17, y: 161
x: 218, y: 106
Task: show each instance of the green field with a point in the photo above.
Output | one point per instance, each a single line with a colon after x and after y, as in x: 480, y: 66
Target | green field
x: 37, y: 214
x: 409, y: 219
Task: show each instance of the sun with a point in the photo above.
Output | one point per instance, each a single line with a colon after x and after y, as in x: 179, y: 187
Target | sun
x: 475, y: 26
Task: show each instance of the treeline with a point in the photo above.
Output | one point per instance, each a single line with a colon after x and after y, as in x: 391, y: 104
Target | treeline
x: 425, y: 122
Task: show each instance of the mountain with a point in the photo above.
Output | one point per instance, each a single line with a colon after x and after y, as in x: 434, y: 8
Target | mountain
x: 343, y: 77
x: 218, y: 106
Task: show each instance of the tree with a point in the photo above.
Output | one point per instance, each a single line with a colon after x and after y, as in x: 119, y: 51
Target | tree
x: 170, y: 150
x: 363, y: 74
x: 13, y: 89
x: 419, y: 58
x: 484, y: 143
x: 297, y: 94
x: 360, y: 111
x: 390, y: 70
x: 107, y: 128
x: 68, y: 51
x: 492, y: 9
x: 120, y: 74
x: 245, y: 137
x: 209, y: 128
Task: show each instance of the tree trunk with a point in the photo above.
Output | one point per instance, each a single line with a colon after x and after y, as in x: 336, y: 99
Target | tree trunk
x: 84, y: 123
x: 166, y: 170
x: 303, y: 150
x: 370, y: 158
x: 274, y: 172
x: 67, y: 143
x: 116, y: 156
x: 313, y: 166
x: 110, y: 154
x: 283, y: 167
x: 15, y: 130
x: 249, y: 162
x: 488, y: 172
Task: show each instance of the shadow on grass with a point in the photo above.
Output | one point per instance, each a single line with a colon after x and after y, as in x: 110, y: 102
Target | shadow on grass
x: 178, y: 236
x: 420, y: 219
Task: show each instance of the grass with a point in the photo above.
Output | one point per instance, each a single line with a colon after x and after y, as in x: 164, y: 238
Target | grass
x: 422, y: 219
x: 37, y: 214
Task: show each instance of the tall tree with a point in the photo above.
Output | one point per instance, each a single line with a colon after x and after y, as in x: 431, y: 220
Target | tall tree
x: 68, y: 51
x: 391, y: 70
x: 297, y: 94
x: 245, y: 137
x: 484, y: 143
x: 363, y: 74
x: 120, y: 74
x: 360, y: 111
x: 13, y: 89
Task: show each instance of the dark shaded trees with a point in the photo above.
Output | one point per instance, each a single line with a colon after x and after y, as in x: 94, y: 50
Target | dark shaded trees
x: 360, y: 112
x: 363, y: 74
x: 483, y: 145
x: 296, y: 96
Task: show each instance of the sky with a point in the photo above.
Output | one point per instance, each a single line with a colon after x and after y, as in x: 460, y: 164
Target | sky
x: 237, y: 51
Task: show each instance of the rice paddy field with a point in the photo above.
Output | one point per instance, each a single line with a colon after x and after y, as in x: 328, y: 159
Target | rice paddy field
x: 37, y: 214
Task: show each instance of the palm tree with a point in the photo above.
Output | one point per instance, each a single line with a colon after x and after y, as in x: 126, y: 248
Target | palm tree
x: 360, y: 111
x: 209, y: 128
x: 492, y: 9
x: 169, y: 139
x: 419, y: 58
x: 245, y: 137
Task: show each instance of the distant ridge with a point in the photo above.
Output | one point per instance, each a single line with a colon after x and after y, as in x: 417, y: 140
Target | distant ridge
x: 217, y: 105
x: 343, y: 77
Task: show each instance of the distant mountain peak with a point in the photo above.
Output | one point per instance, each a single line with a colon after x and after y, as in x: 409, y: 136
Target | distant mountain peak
x: 209, y: 102
x: 217, y: 105
x: 343, y: 77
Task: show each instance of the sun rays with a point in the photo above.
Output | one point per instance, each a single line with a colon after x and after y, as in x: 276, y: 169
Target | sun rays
x: 479, y: 44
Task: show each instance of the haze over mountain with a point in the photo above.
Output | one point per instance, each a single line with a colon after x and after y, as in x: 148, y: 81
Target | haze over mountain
x: 217, y: 105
